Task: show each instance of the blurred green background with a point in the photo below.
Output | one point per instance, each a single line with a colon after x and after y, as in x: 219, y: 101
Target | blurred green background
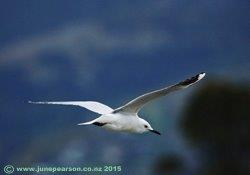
x: 112, y: 51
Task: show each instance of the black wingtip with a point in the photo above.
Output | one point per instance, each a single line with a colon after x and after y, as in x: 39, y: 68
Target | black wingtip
x: 193, y: 79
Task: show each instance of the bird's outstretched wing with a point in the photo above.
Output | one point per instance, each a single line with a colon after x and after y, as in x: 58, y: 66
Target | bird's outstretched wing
x: 136, y: 104
x: 90, y: 105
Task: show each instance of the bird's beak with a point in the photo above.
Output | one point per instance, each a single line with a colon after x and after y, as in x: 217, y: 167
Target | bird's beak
x: 154, y: 131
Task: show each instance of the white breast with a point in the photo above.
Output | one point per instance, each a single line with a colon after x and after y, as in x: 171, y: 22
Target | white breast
x: 120, y: 122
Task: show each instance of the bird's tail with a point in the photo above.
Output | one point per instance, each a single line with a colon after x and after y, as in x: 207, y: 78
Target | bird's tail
x: 87, y: 123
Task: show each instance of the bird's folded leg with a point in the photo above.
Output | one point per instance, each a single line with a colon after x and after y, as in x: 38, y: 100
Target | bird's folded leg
x: 99, y: 124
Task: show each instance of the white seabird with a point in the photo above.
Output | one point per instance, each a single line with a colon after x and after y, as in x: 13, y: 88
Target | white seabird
x: 125, y: 118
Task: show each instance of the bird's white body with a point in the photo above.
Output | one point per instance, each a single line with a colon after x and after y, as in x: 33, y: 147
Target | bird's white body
x: 125, y: 118
x: 122, y: 122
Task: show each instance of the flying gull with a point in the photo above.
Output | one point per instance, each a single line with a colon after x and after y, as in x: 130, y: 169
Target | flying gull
x: 125, y: 118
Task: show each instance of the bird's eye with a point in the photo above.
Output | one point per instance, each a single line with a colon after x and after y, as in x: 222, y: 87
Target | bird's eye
x: 145, y: 126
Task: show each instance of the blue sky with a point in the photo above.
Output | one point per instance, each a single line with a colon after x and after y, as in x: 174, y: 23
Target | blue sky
x: 110, y: 51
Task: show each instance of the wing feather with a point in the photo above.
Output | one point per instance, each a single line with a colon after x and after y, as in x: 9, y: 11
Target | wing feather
x: 136, y: 104
x: 90, y: 105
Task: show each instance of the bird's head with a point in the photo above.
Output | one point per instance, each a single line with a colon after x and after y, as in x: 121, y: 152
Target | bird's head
x: 145, y: 127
